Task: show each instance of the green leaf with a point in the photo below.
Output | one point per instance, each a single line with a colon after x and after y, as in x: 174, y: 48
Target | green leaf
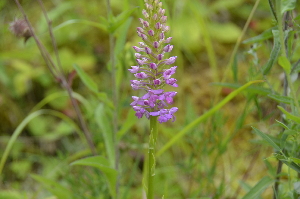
x: 11, y: 195
x: 121, y: 39
x: 86, y: 79
x: 274, y: 53
x: 103, y: 165
x: 104, y: 121
x: 296, y: 160
x: 56, y: 189
x: 292, y: 165
x: 127, y: 124
x: 102, y: 96
x: 251, y: 89
x: 259, y: 188
x: 120, y: 19
x: 285, y: 64
x: 289, y: 115
x: 287, y: 5
x: 267, y: 34
x: 266, y: 138
x: 203, y: 117
x: 102, y: 26
x: 281, y: 99
x: 282, y: 125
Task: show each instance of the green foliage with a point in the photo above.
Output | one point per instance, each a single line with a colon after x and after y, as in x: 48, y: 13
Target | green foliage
x: 209, y: 152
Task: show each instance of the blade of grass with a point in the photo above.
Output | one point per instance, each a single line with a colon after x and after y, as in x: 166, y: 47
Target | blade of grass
x: 203, y: 117
x: 22, y: 125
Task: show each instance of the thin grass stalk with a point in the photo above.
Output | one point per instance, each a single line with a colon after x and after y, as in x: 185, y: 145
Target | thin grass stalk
x: 285, y: 93
x: 57, y: 73
x: 236, y: 47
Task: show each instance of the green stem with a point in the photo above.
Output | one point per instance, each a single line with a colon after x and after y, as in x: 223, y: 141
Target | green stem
x: 151, y: 153
x: 284, y: 53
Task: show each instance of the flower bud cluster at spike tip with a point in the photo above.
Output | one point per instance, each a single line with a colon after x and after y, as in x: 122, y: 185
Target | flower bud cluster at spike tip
x: 153, y: 70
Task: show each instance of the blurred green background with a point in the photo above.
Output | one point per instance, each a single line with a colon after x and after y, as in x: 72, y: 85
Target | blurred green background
x: 221, y: 158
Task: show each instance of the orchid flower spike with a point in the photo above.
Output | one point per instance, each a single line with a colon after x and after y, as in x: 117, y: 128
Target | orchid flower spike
x: 154, y: 71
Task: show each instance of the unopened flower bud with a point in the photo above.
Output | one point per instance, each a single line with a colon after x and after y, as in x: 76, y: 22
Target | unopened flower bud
x: 161, y: 36
x: 163, y: 19
x: 155, y: 44
x: 168, y: 40
x: 153, y: 66
x: 151, y: 33
x: 146, y: 24
x: 148, y: 50
x: 160, y: 57
x: 168, y: 48
x: 155, y: 17
x: 157, y: 25
x: 146, y: 15
x: 139, y: 29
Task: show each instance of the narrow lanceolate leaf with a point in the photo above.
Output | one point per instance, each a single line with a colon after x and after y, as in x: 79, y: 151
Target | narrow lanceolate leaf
x: 281, y: 99
x: 285, y: 64
x: 266, y: 138
x: 259, y: 38
x: 274, y: 54
x: 259, y: 188
x: 86, y: 79
x: 103, y: 165
x: 103, y: 119
x: 292, y: 165
x: 289, y: 115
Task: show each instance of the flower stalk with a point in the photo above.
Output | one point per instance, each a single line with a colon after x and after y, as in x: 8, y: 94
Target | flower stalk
x: 151, y: 153
x: 153, y: 73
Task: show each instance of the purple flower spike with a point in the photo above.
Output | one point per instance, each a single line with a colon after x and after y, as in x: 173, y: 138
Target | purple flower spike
x: 152, y: 71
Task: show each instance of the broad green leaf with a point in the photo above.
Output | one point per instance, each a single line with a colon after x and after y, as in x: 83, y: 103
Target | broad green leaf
x: 103, y: 165
x: 86, y: 79
x: 55, y: 188
x: 203, y: 117
x: 127, y: 124
x: 287, y: 5
x: 274, y: 53
x: 266, y: 138
x: 289, y: 115
x: 285, y: 64
x: 267, y: 34
x: 104, y: 121
x: 101, y: 26
x: 259, y: 188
